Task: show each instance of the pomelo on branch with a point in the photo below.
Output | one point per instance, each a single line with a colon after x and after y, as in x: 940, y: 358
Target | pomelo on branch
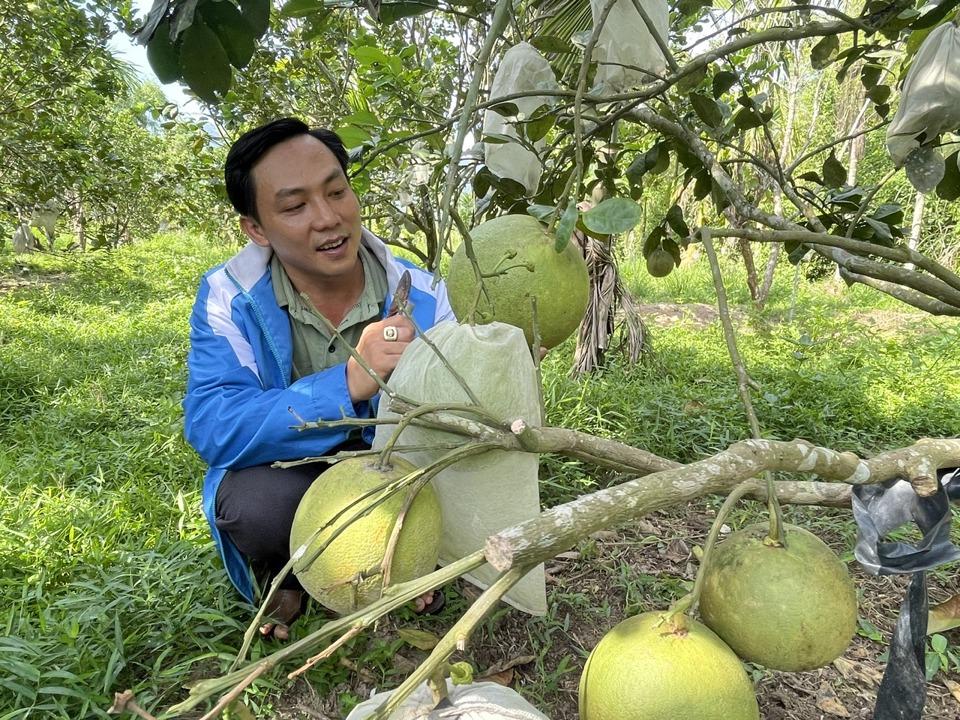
x: 360, y: 548
x: 518, y: 261
x: 648, y: 668
x: 789, y: 608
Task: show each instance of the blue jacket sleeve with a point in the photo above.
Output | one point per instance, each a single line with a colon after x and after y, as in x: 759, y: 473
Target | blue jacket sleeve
x: 239, y: 411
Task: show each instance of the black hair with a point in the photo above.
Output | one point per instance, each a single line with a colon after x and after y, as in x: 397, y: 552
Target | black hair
x: 254, y: 144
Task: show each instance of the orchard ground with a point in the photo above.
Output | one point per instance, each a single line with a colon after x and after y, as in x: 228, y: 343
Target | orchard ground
x: 110, y: 581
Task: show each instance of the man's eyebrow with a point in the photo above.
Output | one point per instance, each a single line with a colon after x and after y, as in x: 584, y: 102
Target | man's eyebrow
x: 291, y: 191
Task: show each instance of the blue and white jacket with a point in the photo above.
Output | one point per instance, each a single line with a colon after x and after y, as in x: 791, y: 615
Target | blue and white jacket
x: 240, y: 402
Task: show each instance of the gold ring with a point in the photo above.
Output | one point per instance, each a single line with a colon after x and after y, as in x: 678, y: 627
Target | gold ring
x: 390, y: 333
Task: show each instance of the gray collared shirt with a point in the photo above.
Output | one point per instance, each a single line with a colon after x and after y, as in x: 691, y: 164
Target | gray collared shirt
x: 314, y: 348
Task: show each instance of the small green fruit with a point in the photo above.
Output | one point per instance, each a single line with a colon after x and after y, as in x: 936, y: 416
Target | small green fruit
x: 660, y: 263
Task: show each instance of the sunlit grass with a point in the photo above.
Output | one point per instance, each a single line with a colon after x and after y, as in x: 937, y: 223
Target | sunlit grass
x: 108, y: 578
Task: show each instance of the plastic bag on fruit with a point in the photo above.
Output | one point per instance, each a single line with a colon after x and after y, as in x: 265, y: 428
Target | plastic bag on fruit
x: 626, y: 53
x: 477, y: 701
x: 930, y: 96
x: 480, y: 495
x: 522, y: 70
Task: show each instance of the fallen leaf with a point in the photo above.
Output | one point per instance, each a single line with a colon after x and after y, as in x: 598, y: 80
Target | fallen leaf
x: 944, y: 616
x: 648, y: 528
x: 604, y: 535
x: 832, y: 706
x: 403, y: 664
x: 507, y: 665
x: 953, y: 687
x: 859, y: 672
x: 504, y: 678
x: 420, y: 639
x: 676, y: 550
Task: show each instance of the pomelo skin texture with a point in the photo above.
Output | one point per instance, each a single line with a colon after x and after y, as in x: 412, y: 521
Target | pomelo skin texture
x: 361, y: 547
x: 644, y: 670
x: 787, y: 608
x: 559, y: 281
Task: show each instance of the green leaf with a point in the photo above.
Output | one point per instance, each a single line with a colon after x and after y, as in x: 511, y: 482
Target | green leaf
x: 565, y: 226
x: 163, y: 55
x: 257, y: 15
x: 232, y: 29
x: 505, y: 109
x: 707, y: 110
x: 653, y: 240
x: 538, y: 127
x: 833, y: 171
x: 613, y: 215
x: 879, y: 94
x: 692, y: 79
x: 824, y: 52
x: 146, y: 32
x: 420, y: 639
x: 543, y: 213
x: 353, y: 136
x: 300, y: 8
x: 870, y: 75
x: 949, y: 187
x: 391, y: 12
x: 676, y: 222
x: 204, y: 63
x: 722, y: 82
x: 747, y: 119
x: 551, y: 44
x: 938, y: 643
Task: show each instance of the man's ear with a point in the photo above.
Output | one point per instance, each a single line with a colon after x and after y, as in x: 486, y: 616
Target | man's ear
x: 251, y: 228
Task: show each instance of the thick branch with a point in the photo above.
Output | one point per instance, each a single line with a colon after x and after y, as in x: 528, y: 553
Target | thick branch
x: 561, y: 527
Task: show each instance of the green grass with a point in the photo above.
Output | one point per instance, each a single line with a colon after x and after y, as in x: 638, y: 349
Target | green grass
x: 108, y: 579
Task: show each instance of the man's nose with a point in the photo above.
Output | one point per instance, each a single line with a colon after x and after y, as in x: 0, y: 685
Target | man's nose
x: 324, y: 215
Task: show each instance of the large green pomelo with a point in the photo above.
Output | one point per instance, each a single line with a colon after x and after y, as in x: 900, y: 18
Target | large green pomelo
x: 643, y: 669
x: 559, y: 281
x: 362, y: 546
x: 787, y: 608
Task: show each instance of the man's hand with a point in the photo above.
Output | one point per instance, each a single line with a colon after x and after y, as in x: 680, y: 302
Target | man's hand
x: 380, y: 354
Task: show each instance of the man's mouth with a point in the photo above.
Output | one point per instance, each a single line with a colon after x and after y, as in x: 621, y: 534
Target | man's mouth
x: 333, y: 245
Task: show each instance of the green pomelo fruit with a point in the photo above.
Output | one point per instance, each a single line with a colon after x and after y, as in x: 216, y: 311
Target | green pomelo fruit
x: 660, y: 263
x: 644, y: 669
x: 361, y: 547
x: 787, y: 608
x: 522, y: 248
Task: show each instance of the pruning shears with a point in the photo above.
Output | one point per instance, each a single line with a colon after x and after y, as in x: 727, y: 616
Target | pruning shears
x: 401, y: 294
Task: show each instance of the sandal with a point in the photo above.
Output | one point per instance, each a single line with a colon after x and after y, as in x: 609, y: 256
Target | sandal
x: 284, y: 609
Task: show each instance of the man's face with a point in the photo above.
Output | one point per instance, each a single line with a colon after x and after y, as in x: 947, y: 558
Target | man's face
x: 309, y: 214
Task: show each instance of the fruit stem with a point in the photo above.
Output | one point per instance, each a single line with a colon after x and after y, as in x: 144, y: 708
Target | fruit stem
x: 744, y: 381
x: 693, y: 598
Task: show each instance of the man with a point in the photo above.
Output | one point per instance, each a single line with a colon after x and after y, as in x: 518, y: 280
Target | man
x: 260, y: 357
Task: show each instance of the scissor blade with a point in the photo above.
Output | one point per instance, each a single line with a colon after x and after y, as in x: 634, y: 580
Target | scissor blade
x: 401, y: 294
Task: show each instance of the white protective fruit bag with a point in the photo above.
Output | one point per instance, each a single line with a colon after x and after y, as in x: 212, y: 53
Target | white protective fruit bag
x: 522, y: 70
x: 930, y: 96
x: 481, y: 495
x: 625, y: 44
x: 477, y: 701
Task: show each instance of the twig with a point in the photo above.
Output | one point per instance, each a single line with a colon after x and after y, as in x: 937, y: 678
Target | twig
x: 122, y: 702
x: 330, y: 650
x: 744, y: 383
x: 455, y: 639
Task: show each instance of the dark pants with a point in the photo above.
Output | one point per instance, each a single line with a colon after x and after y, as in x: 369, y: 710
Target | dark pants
x: 255, y: 507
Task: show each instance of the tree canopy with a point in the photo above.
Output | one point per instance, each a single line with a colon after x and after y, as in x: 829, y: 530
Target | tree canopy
x: 762, y: 123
